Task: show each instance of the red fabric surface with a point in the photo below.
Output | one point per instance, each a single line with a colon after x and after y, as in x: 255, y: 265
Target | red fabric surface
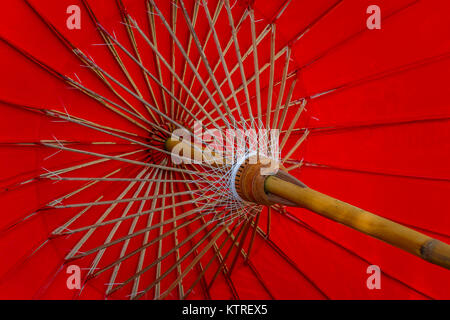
x: 379, y: 140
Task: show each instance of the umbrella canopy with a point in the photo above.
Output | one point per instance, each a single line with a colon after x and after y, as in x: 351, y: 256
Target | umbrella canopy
x: 89, y: 98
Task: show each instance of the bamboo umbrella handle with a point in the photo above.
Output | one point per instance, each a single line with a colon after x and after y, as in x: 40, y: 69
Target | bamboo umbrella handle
x: 419, y: 244
x: 412, y: 241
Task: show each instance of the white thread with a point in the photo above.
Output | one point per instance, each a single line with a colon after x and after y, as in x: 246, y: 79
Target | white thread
x: 234, y: 173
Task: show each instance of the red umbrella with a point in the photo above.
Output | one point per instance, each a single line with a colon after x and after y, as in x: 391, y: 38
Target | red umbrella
x: 92, y: 90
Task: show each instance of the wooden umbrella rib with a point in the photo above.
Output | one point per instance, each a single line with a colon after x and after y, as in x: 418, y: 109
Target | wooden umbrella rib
x: 111, y: 48
x: 244, y: 57
x: 145, y: 239
x: 295, y: 166
x: 70, y: 47
x: 109, y: 85
x: 217, y: 253
x: 295, y: 147
x: 23, y: 219
x: 108, y: 104
x: 140, y: 163
x: 283, y: 83
x: 183, y: 52
x: 68, y: 223
x: 142, y: 231
x: 65, y: 226
x: 230, y: 40
x: 188, y: 51
x: 169, y: 67
x: 256, y: 64
x: 252, y: 238
x: 155, y: 44
x: 227, y: 254
x: 174, y: 29
x: 100, y: 253
x: 272, y: 73
x: 269, y: 221
x: 219, y: 256
x: 147, y: 245
x: 112, y: 106
x: 147, y: 212
x: 289, y: 131
x: 241, y: 245
x: 199, y: 60
x: 175, y: 235
x: 94, y: 65
x: 252, y: 78
x: 248, y: 262
x: 86, y: 164
x: 156, y: 261
x: 113, y: 179
x: 83, y: 240
x: 77, y: 191
x: 261, y: 70
x: 161, y: 229
x: 100, y: 203
x: 70, y: 119
x: 119, y: 261
x: 249, y: 51
x: 56, y: 113
x: 205, y: 61
x: 190, y: 266
x: 286, y: 106
x: 222, y: 59
x: 132, y: 39
x: 210, y: 262
x: 239, y: 57
x: 62, y: 142
x: 217, y: 12
x: 124, y: 257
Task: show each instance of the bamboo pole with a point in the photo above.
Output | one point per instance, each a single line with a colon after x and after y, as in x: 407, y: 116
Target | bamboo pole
x: 419, y: 244
x: 412, y: 241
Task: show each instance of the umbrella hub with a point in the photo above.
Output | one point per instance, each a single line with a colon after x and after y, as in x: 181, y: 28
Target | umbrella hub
x: 157, y: 138
x: 247, y: 176
x: 249, y: 183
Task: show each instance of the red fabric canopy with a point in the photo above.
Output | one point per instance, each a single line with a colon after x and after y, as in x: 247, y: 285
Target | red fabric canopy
x: 377, y: 111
